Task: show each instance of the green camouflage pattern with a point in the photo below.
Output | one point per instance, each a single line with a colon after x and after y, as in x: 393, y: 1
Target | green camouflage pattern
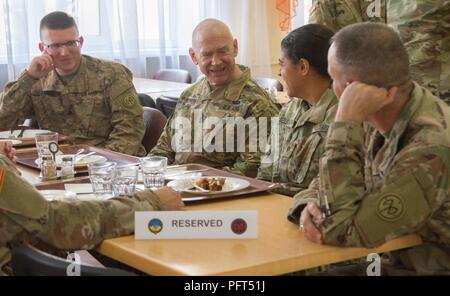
x: 380, y: 187
x: 25, y: 216
x: 243, y: 98
x: 424, y: 27
x: 302, y: 132
x: 98, y: 107
x: 336, y: 14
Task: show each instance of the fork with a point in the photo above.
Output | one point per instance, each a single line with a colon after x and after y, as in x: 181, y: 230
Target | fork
x: 21, y: 133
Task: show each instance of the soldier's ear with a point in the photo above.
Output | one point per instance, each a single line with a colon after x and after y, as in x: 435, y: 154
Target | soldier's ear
x: 193, y: 57
x: 41, y: 47
x: 81, y: 41
x: 235, y: 47
x: 303, y: 66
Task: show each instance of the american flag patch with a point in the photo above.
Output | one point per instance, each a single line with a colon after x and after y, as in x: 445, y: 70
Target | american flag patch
x: 2, y: 178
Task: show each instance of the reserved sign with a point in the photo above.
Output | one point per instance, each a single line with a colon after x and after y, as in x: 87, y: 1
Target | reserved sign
x: 196, y: 225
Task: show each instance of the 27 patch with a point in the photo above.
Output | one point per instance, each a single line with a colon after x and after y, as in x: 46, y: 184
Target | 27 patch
x: 2, y: 178
x: 128, y: 101
x: 390, y: 207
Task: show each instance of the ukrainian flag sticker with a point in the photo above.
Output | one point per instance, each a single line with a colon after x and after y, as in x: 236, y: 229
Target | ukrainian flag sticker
x: 155, y: 226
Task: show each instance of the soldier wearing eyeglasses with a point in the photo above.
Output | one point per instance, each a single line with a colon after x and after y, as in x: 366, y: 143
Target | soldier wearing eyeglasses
x: 90, y: 100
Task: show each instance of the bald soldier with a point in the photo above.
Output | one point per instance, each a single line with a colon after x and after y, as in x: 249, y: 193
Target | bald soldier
x: 423, y: 26
x: 386, y: 168
x: 227, y: 92
x: 89, y: 100
x: 26, y: 216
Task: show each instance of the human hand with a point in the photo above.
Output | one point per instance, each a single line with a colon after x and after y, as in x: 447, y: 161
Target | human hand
x: 358, y: 101
x: 6, y: 148
x: 312, y: 233
x: 40, y: 66
x: 170, y: 200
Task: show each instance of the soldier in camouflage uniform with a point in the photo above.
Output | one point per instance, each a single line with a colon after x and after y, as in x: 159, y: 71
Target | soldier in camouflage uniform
x: 89, y: 100
x: 336, y: 14
x: 226, y: 92
x: 25, y: 216
x: 393, y: 177
x: 303, y: 122
x: 423, y: 25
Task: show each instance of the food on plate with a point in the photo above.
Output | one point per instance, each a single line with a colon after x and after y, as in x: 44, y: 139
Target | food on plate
x: 212, y: 184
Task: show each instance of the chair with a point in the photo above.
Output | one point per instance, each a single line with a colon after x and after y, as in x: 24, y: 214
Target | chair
x: 154, y: 122
x: 27, y: 260
x: 146, y: 101
x: 175, y: 75
x: 266, y: 82
x: 166, y: 104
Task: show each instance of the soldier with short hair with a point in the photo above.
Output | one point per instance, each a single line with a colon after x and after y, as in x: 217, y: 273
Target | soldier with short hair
x: 385, y: 172
x: 89, y: 100
x: 293, y: 158
x: 226, y: 92
x: 61, y: 224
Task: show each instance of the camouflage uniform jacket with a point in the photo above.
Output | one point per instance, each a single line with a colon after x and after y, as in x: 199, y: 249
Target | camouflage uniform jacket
x: 242, y: 98
x: 381, y: 187
x: 99, y: 106
x: 25, y: 216
x: 336, y: 14
x: 424, y: 27
x: 301, y: 138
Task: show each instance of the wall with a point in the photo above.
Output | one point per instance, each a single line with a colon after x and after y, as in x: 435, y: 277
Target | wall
x: 275, y: 36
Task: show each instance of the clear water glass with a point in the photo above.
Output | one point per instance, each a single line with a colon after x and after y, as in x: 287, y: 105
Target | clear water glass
x: 153, y: 169
x: 102, y: 176
x: 125, y: 179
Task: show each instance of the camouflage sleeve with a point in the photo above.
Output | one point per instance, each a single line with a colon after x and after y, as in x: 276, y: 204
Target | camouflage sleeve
x: 302, y: 198
x: 164, y: 145
x: 412, y: 191
x: 324, y: 13
x: 248, y: 162
x: 15, y: 102
x: 67, y: 225
x: 127, y: 116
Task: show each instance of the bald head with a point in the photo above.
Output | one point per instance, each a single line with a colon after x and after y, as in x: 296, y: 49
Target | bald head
x: 371, y: 53
x: 210, y: 28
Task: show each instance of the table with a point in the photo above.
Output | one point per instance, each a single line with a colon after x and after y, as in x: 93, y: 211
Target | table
x: 281, y: 248
x: 156, y: 88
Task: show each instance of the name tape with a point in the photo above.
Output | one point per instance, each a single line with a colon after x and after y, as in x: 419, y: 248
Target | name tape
x: 196, y: 225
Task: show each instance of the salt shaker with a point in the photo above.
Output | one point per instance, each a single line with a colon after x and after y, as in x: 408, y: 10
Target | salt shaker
x: 67, y: 168
x: 48, y: 168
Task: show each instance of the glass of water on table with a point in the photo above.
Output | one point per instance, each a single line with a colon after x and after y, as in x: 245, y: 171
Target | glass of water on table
x: 102, y: 176
x: 153, y: 169
x: 125, y: 178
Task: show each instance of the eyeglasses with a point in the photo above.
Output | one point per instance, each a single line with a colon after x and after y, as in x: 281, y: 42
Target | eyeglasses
x: 58, y: 46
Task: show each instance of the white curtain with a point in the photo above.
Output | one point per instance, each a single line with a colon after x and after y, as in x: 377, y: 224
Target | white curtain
x: 145, y: 35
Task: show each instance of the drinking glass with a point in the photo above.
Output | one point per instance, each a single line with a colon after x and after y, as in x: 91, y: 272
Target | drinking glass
x: 101, y: 176
x: 153, y: 169
x: 124, y: 182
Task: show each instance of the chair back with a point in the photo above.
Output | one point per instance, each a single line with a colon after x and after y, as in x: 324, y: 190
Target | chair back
x: 175, y: 75
x: 166, y: 104
x: 266, y: 82
x: 27, y: 260
x: 154, y: 122
x: 146, y: 100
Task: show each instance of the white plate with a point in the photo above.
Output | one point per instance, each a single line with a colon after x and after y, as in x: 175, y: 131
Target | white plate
x: 57, y: 194
x: 83, y: 162
x: 14, y: 142
x: 27, y: 134
x: 230, y: 185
